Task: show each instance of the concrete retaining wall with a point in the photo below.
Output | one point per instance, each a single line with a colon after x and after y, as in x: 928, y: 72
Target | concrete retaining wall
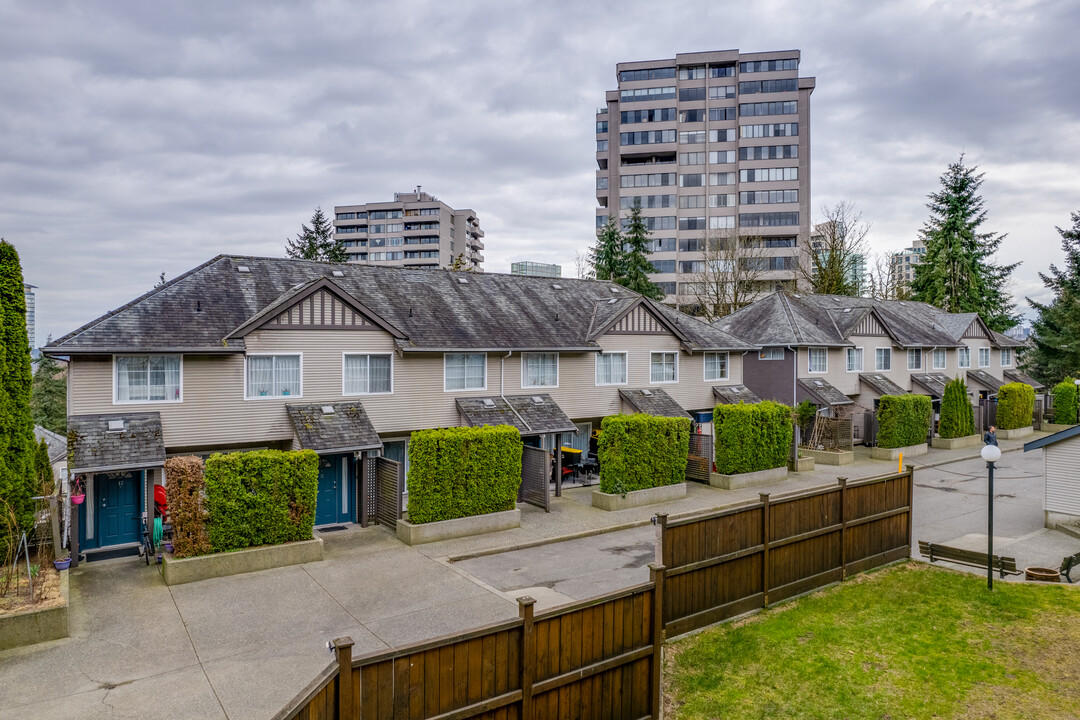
x: 879, y: 453
x: 803, y: 464
x: 954, y: 443
x: 741, y: 480
x: 31, y: 626
x: 828, y: 457
x: 1055, y: 427
x: 1015, y: 433
x: 177, y: 571
x: 637, y: 498
x: 458, y: 527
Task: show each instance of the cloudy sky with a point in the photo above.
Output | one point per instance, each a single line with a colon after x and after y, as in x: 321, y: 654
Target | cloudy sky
x: 146, y: 137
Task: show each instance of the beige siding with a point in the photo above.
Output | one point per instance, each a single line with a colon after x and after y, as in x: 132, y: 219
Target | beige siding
x: 1062, y: 483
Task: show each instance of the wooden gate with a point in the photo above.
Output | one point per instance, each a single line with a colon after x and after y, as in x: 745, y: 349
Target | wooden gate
x: 535, y: 477
x: 986, y: 413
x: 699, y: 460
x: 389, y: 484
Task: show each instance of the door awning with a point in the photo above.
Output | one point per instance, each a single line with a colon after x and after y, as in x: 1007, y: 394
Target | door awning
x: 734, y: 394
x: 881, y: 384
x: 988, y: 381
x: 824, y: 393
x: 334, y: 427
x: 653, y: 401
x: 115, y: 442
x: 933, y: 383
x: 531, y: 414
x: 1017, y: 376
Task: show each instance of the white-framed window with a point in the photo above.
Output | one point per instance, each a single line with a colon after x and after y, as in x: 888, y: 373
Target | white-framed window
x: 963, y: 357
x: 939, y: 359
x: 611, y: 368
x: 984, y: 357
x: 883, y: 358
x: 366, y: 374
x: 663, y: 367
x: 771, y: 353
x: 854, y: 359
x: 147, y: 379
x: 464, y: 371
x: 1006, y: 357
x: 540, y: 370
x: 818, y: 360
x: 273, y: 376
x: 716, y: 366
x: 914, y: 359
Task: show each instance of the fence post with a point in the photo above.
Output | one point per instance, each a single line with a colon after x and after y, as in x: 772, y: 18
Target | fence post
x: 343, y: 650
x: 764, y: 498
x: 843, y: 526
x: 910, y: 504
x: 656, y: 574
x: 528, y: 655
x: 660, y: 521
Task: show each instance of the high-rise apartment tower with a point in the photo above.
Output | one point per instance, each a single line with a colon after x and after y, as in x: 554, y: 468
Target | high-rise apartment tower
x: 712, y: 145
x: 414, y: 230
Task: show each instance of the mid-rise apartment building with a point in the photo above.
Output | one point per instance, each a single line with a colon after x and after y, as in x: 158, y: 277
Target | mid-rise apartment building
x: 712, y: 145
x: 416, y: 229
x: 31, y: 316
x: 903, y: 263
x: 536, y: 269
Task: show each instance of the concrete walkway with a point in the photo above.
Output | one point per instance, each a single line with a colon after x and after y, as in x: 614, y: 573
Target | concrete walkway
x: 243, y: 646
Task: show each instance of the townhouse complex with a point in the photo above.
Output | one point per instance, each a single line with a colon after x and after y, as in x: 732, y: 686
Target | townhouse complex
x: 711, y: 145
x: 415, y: 230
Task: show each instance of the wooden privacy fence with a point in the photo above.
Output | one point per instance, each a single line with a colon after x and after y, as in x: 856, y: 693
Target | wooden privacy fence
x: 535, y: 477
x: 699, y: 460
x: 600, y: 659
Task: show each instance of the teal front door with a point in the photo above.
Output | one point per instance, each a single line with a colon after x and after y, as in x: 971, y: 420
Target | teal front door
x: 118, y: 512
x: 333, y: 502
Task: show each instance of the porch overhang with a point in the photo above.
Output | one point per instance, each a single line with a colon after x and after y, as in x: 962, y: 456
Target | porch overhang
x: 114, y: 442
x: 1017, y: 376
x: 881, y: 384
x: 933, y: 383
x: 734, y: 394
x: 653, y: 401
x: 535, y: 414
x: 824, y: 392
x: 332, y: 428
x: 985, y: 379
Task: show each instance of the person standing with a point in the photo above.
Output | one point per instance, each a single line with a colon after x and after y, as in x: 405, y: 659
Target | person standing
x: 990, y: 438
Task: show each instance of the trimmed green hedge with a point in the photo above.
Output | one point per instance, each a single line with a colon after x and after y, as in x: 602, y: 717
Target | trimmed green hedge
x: 903, y: 420
x: 463, y: 471
x: 957, y: 416
x: 637, y: 452
x: 1066, y: 401
x: 1016, y: 404
x: 752, y: 437
x: 266, y: 497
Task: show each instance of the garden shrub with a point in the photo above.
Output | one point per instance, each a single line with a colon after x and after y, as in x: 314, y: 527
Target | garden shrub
x: 637, y: 452
x: 185, y: 489
x: 463, y: 471
x: 1066, y: 402
x: 752, y: 437
x: 266, y: 497
x: 1016, y: 404
x: 903, y: 420
x: 957, y: 417
x: 805, y: 412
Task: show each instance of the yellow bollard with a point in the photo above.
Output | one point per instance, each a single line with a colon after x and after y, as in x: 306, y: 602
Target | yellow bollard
x: 900, y: 467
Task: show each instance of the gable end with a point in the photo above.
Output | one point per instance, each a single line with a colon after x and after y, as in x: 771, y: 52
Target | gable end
x: 869, y: 327
x: 320, y: 310
x: 638, y: 321
x: 976, y: 330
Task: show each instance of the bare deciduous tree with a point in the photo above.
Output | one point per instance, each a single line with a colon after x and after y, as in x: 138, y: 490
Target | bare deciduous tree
x: 884, y: 281
x: 729, y: 274
x: 583, y: 267
x: 838, y: 250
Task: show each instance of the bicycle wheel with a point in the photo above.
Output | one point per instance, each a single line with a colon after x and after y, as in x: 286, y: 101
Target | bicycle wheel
x: 148, y: 550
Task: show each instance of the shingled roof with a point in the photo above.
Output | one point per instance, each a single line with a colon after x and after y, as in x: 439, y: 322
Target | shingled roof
x: 530, y: 414
x: 934, y: 383
x: 824, y: 392
x: 734, y: 394
x: 1017, y: 376
x: 120, y: 441
x: 56, y: 443
x: 881, y: 384
x: 985, y: 379
x: 653, y: 401
x: 334, y: 427
x: 209, y: 308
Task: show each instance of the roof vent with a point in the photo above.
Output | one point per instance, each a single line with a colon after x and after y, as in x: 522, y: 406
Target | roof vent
x: 736, y: 390
x: 647, y: 393
x: 797, y: 296
x: 612, y: 301
x: 463, y: 280
x: 488, y: 403
x: 116, y: 426
x: 847, y: 309
x: 557, y: 286
x: 537, y: 400
x: 819, y: 383
x: 328, y: 410
x: 243, y: 269
x: 338, y: 273
x: 614, y: 289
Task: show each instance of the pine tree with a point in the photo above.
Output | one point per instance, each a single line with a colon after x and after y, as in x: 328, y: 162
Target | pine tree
x: 636, y: 264
x: 316, y: 242
x: 957, y: 274
x: 607, y: 257
x: 17, y: 444
x: 48, y: 395
x: 1056, y: 330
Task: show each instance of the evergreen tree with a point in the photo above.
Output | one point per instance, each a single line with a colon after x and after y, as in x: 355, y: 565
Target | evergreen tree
x: 957, y: 416
x: 636, y: 263
x: 608, y: 257
x: 48, y: 395
x: 459, y: 264
x: 316, y: 242
x: 1056, y: 330
x: 957, y: 274
x: 43, y: 470
x: 17, y: 444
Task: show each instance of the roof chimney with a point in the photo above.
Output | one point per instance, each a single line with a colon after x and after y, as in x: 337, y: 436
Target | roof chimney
x: 418, y: 192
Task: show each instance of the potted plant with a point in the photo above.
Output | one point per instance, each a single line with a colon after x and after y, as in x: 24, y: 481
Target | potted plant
x: 62, y: 563
x: 78, y: 494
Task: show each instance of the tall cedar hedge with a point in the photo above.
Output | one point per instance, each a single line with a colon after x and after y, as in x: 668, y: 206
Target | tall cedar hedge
x: 637, y: 452
x: 463, y: 471
x: 957, y: 417
x: 265, y: 497
x: 185, y: 490
x: 1016, y: 404
x: 752, y: 437
x: 17, y: 445
x: 903, y: 420
x: 1066, y: 402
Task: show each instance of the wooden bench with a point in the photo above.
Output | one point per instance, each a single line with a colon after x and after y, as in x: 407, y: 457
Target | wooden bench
x: 1004, y: 565
x: 1067, y: 565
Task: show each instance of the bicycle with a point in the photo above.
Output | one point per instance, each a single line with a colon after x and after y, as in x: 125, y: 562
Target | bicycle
x: 146, y: 549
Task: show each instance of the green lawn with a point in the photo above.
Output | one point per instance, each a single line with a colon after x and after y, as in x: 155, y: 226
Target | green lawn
x: 910, y: 641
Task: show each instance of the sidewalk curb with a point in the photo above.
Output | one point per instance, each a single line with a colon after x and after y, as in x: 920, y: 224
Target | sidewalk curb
x: 960, y: 459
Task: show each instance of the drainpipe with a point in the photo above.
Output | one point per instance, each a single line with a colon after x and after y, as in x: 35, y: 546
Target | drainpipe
x: 794, y: 374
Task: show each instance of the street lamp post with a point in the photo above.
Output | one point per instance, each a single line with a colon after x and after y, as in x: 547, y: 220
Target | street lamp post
x: 991, y: 454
